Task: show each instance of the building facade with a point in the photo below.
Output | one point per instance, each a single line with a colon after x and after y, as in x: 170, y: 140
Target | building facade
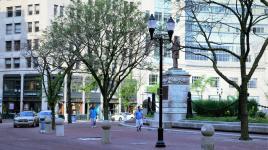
x: 198, y: 66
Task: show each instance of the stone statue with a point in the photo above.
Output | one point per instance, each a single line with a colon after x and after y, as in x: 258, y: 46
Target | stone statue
x: 175, y: 51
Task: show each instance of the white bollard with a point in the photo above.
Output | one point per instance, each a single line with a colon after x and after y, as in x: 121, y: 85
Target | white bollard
x: 207, y: 142
x: 106, y: 132
x: 59, y: 127
x: 48, y: 126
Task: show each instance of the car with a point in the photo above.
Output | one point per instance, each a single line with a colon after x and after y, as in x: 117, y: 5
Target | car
x: 26, y: 118
x: 43, y: 114
x: 128, y: 116
x: 122, y: 116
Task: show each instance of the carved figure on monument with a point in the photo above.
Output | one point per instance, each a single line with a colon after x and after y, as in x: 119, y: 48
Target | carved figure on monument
x: 175, y: 51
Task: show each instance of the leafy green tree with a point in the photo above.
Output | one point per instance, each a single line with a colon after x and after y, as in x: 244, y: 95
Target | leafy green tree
x: 200, y: 84
x: 112, y: 35
x: 128, y: 91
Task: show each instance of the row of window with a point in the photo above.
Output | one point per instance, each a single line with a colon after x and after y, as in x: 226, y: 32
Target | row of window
x: 36, y: 26
x: 9, y: 28
x: 153, y: 79
x: 16, y: 62
x: 18, y: 45
x: 32, y: 9
x: 17, y: 27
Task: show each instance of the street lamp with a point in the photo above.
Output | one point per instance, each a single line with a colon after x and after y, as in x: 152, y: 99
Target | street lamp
x: 170, y: 29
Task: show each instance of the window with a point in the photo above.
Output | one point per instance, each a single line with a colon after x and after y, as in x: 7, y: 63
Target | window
x: 18, y: 11
x: 16, y: 62
x: 252, y: 83
x: 37, y: 9
x: 29, y: 62
x: 8, y: 29
x: 8, y: 45
x: 35, y: 62
x: 36, y: 26
x: 36, y: 43
x: 233, y: 79
x: 152, y: 79
x: 266, y: 11
x: 29, y: 44
x: 158, y: 16
x: 17, y: 28
x: 30, y: 28
x: 258, y: 29
x: 215, y: 82
x: 61, y: 10
x: 17, y: 45
x: 166, y: 16
x: 195, y: 78
x: 8, y: 62
x: 30, y: 9
x: 9, y: 11
x: 55, y: 10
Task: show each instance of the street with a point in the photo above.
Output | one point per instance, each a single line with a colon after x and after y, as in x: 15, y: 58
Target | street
x: 80, y: 136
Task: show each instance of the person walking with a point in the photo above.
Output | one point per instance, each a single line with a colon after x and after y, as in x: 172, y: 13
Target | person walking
x: 93, y: 116
x: 139, y: 117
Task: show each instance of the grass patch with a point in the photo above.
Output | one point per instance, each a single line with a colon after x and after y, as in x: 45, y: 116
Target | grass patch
x: 229, y: 119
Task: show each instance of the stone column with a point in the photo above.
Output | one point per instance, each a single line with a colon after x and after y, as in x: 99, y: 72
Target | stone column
x: 44, y: 97
x: 207, y: 142
x: 21, y: 91
x: 84, y: 96
x: 1, y: 91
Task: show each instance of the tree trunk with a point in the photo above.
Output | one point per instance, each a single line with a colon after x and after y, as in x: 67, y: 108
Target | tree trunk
x: 244, y: 112
x: 68, y: 97
x: 53, y: 116
x: 105, y: 107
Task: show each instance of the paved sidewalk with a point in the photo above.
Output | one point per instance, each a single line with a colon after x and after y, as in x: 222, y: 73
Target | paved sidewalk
x: 80, y: 136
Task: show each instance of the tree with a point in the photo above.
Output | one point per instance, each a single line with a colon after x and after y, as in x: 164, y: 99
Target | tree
x: 246, y: 18
x: 113, y: 37
x: 199, y: 85
x: 53, y: 61
x: 128, y: 91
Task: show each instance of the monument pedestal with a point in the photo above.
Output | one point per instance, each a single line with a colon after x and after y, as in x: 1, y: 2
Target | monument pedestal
x: 175, y: 90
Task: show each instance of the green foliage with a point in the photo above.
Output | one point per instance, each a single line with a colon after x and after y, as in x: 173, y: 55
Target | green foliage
x: 229, y: 119
x: 128, y: 91
x: 215, y: 108
x: 200, y: 85
x: 261, y: 114
x: 153, y: 88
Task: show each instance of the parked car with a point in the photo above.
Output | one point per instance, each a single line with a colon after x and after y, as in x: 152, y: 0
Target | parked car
x: 122, y: 116
x: 43, y: 114
x: 26, y: 118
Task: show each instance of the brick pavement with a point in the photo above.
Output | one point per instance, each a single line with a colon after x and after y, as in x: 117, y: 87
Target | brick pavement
x: 122, y: 138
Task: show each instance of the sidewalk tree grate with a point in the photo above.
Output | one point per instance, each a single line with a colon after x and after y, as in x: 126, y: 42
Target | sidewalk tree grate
x: 90, y: 139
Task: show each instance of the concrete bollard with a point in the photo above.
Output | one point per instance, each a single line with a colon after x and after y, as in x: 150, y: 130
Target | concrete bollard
x: 106, y: 132
x: 42, y: 125
x: 48, y: 126
x: 59, y: 127
x: 207, y: 142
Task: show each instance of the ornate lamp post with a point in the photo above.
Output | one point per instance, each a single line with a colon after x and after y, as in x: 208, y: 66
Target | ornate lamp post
x: 158, y: 37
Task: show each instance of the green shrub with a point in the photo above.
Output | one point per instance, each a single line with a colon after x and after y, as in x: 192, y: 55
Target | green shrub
x: 215, y: 108
x: 260, y: 114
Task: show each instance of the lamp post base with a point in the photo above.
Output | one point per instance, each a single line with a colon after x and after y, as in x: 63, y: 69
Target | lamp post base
x: 160, y: 142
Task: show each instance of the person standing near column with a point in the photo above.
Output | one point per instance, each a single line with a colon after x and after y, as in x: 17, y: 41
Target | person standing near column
x: 93, y: 116
x: 139, y: 116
